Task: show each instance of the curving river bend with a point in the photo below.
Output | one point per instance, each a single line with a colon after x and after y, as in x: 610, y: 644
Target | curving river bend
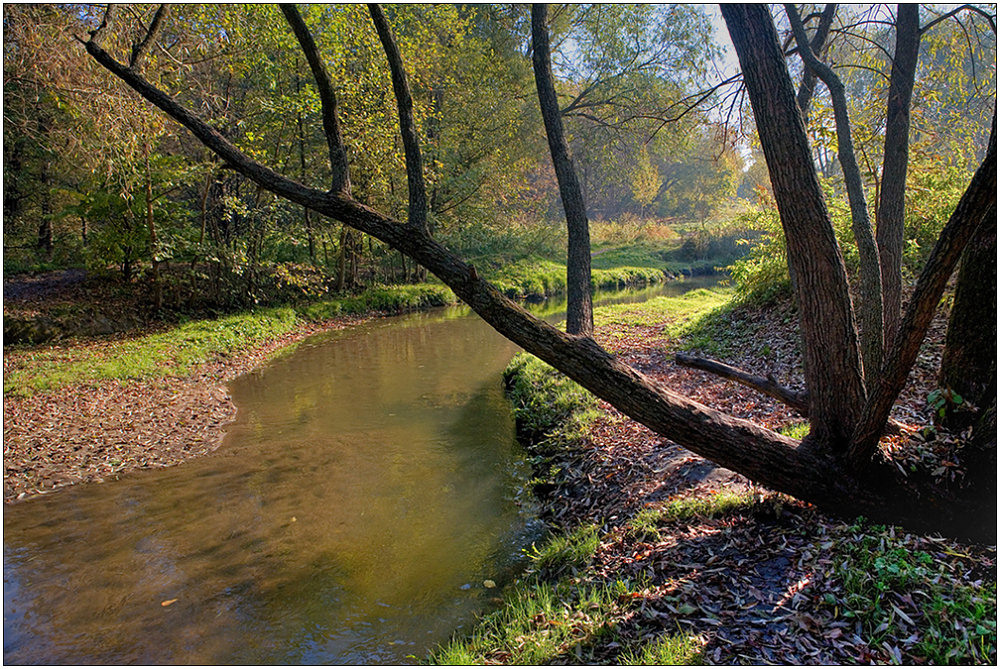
x: 370, y: 485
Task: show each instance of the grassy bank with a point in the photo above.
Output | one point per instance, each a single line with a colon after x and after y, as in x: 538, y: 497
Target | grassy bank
x: 178, y: 348
x: 175, y: 351
x: 662, y: 582
x: 537, y: 278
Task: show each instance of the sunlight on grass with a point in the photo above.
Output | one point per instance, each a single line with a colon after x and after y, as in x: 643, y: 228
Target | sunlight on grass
x: 540, y: 623
x: 644, y: 525
x: 677, y: 649
x: 566, y: 551
x: 177, y: 350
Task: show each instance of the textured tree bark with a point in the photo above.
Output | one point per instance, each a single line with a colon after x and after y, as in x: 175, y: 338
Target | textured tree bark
x: 892, y: 195
x: 870, y: 298
x: 807, y: 470
x: 830, y: 338
x: 978, y: 201
x: 970, y: 347
x: 339, y: 169
x: 407, y: 126
x: 579, y: 311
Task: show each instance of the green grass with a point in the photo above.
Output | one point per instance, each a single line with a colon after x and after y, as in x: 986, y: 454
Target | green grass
x: 177, y: 350
x: 382, y: 299
x: 566, y: 552
x: 797, y: 430
x: 950, y: 621
x: 672, y: 650
x: 644, y: 525
x: 550, y: 410
x: 540, y: 623
x: 537, y: 278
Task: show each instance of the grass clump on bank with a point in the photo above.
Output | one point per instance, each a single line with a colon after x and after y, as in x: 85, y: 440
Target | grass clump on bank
x: 177, y: 350
x: 541, y: 623
x: 550, y: 410
x: 569, y: 620
x: 645, y: 523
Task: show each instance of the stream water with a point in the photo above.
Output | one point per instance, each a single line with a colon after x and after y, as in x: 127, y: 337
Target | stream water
x: 369, y: 487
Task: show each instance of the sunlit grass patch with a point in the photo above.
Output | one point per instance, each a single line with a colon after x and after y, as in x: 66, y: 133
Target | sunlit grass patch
x: 171, y: 352
x: 541, y: 623
x: 677, y: 311
x: 675, y: 649
x: 566, y: 552
x: 796, y: 430
x: 539, y: 278
x: 645, y: 524
x: 551, y: 410
x: 178, y: 349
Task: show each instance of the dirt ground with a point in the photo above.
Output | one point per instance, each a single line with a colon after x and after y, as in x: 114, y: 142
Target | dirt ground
x: 93, y: 433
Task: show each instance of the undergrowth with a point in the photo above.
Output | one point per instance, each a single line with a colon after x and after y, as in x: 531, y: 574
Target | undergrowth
x: 537, y: 278
x: 951, y: 620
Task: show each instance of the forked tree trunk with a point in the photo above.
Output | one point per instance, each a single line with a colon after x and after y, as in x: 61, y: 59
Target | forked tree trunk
x: 809, y: 470
x: 579, y: 305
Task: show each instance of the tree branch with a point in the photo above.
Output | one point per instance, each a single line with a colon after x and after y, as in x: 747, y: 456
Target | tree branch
x: 991, y: 18
x: 407, y: 127
x: 870, y: 298
x: 110, y: 14
x: 341, y: 179
x: 139, y: 50
x: 977, y: 202
x: 808, y: 84
x: 795, y: 399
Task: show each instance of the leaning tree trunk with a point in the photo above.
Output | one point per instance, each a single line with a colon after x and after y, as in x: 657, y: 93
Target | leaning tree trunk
x: 579, y: 307
x: 970, y: 348
x: 892, y: 195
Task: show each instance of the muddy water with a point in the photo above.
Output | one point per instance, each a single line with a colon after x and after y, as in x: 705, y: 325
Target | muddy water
x: 369, y: 487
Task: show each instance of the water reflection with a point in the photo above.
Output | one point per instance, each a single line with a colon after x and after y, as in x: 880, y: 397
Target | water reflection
x: 368, y: 487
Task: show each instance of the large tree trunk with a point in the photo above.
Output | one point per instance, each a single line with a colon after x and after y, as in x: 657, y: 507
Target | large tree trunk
x: 970, y: 349
x: 830, y: 340
x: 892, y: 195
x: 808, y: 470
x: 579, y: 308
x: 869, y: 298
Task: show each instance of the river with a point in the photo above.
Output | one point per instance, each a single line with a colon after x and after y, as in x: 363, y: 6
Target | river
x: 368, y: 493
